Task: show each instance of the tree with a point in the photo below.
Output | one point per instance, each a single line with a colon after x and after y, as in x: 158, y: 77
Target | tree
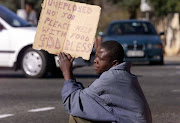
x: 163, y: 7
x: 132, y: 7
x: 11, y: 4
x: 85, y: 1
x: 16, y: 4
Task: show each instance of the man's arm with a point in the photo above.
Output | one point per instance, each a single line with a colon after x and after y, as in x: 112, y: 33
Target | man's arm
x: 80, y: 103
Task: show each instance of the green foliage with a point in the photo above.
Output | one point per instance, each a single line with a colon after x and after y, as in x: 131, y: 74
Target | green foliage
x: 11, y: 4
x: 85, y: 1
x: 131, y: 3
x: 16, y: 4
x: 132, y: 6
x: 111, y: 15
x: 163, y: 7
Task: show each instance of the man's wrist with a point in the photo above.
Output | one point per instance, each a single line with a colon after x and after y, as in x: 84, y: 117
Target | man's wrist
x: 68, y: 76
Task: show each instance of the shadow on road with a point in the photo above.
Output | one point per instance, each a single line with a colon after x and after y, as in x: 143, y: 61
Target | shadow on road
x: 11, y: 76
x: 86, y: 76
x: 172, y: 64
x: 165, y: 64
x: 15, y: 75
x: 19, y: 74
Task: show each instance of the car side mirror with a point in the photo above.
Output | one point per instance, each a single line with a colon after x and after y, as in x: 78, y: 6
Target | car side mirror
x: 161, y: 33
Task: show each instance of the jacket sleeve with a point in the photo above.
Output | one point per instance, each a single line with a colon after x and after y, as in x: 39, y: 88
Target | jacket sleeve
x: 78, y: 102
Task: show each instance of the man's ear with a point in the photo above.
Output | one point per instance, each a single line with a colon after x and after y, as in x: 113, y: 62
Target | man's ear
x: 115, y: 62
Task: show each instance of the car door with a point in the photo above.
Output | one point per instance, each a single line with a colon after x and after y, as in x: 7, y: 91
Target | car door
x: 4, y: 46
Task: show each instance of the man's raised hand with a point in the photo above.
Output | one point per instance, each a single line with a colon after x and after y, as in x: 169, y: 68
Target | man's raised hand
x: 65, y: 63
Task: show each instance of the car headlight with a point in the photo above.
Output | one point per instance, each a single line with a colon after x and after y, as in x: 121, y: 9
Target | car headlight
x: 154, y: 46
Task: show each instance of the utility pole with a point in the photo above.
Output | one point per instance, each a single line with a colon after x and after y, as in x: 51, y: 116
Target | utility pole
x: 21, y: 12
x: 22, y: 4
x: 146, y: 8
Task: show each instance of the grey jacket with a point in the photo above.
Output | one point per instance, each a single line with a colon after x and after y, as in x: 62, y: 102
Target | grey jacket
x: 116, y: 97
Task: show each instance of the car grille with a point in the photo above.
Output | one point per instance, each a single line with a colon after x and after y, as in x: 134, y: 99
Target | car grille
x: 135, y: 51
x: 133, y: 47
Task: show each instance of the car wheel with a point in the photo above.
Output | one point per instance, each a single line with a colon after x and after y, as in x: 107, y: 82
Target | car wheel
x: 161, y: 62
x: 34, y: 63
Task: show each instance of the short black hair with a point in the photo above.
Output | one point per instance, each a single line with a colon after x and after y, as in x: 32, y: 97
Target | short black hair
x: 31, y: 4
x: 115, y: 49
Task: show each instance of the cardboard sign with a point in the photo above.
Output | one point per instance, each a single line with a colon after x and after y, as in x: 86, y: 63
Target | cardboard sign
x: 68, y: 27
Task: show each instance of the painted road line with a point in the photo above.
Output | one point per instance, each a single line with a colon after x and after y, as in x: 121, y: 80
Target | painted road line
x: 175, y: 90
x: 177, y: 67
x: 41, y: 109
x: 178, y: 72
x: 6, y: 115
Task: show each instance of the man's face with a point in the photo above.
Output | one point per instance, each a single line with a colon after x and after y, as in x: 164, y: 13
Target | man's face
x: 102, y: 61
x: 28, y: 7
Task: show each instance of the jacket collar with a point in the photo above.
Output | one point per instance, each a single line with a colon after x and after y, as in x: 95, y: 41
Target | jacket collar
x: 123, y: 66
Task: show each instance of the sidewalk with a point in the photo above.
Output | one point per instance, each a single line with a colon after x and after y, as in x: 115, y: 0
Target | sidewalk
x: 175, y: 58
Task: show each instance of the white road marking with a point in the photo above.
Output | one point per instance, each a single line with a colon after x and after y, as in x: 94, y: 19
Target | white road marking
x: 175, y: 90
x: 41, y: 109
x: 6, y: 115
x: 177, y: 67
x: 178, y: 72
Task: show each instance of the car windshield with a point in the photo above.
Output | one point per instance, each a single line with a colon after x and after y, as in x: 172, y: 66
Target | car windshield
x: 132, y: 28
x: 11, y: 18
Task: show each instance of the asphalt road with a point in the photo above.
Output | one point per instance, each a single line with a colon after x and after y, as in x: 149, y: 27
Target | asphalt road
x: 25, y: 100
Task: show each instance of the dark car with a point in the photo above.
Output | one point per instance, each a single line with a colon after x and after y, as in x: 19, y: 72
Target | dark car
x: 139, y: 40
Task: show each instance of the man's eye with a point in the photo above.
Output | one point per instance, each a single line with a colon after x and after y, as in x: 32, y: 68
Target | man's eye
x: 100, y: 58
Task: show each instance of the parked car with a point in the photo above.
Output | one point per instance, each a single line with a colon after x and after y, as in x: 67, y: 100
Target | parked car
x: 139, y: 40
x: 16, y: 39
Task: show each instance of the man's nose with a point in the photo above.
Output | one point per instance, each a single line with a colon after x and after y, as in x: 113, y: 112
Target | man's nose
x: 95, y: 60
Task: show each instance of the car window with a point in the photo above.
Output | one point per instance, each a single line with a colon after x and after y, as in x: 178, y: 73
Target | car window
x: 11, y: 18
x: 132, y: 28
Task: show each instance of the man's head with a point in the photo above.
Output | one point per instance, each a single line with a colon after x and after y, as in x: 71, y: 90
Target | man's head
x: 28, y: 6
x: 108, y: 54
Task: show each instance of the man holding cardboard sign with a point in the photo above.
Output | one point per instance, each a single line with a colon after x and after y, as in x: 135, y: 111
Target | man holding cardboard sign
x: 115, y: 96
x: 68, y: 27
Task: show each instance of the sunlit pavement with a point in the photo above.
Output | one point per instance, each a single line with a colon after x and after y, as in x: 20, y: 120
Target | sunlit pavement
x: 175, y: 58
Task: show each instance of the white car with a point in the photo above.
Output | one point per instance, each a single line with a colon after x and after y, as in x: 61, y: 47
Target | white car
x: 16, y: 39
